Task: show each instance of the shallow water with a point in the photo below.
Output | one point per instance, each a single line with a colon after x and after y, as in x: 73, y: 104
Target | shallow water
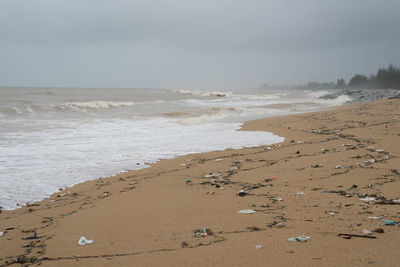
x: 56, y: 137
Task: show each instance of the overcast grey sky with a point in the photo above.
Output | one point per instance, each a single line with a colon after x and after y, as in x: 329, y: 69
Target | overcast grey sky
x: 214, y: 44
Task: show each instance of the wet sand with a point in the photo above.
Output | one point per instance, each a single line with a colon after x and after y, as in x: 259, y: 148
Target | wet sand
x: 311, y: 185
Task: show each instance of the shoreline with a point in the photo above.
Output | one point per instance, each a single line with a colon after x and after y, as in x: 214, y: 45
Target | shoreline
x: 149, y: 164
x: 305, y: 165
x: 144, y: 165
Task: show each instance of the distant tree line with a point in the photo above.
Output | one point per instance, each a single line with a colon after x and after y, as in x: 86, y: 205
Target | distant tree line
x: 385, y: 78
x: 340, y: 84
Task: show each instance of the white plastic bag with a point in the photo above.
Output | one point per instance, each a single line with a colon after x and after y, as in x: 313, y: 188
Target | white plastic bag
x: 83, y: 241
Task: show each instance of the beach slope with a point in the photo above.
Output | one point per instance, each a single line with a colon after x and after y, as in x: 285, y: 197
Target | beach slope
x: 333, y: 180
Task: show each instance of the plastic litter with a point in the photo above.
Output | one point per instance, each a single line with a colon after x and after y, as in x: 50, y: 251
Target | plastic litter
x: 374, y: 217
x: 379, y: 200
x: 212, y: 175
x: 83, y: 241
x: 302, y: 238
x: 203, y: 232
x: 241, y: 193
x: 388, y: 222
x: 259, y: 246
x: 219, y: 159
x: 266, y: 180
x: 369, y: 199
x: 188, y: 181
x: 300, y: 193
x: 275, y: 225
x: 340, y: 192
x: 1, y: 234
x: 247, y: 211
x: 234, y: 168
x: 366, y: 232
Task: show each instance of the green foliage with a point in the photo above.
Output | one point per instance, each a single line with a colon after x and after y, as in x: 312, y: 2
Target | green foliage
x: 384, y: 79
x: 317, y: 85
x: 358, y: 81
x: 341, y: 84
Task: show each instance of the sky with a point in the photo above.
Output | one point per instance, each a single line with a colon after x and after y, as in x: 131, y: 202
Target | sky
x: 207, y: 44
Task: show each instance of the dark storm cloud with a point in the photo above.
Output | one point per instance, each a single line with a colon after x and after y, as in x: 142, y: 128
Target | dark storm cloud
x: 193, y: 43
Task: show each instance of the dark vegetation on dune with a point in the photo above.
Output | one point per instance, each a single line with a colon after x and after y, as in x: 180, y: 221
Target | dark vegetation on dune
x: 385, y: 78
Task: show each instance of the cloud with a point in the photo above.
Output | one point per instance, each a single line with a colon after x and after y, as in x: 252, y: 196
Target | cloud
x: 104, y: 37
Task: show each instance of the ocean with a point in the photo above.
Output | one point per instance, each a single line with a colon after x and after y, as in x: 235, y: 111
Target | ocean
x: 51, y: 138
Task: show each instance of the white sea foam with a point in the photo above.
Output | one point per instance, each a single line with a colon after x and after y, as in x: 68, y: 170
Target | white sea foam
x: 340, y: 100
x: 66, y: 154
x: 48, y: 141
x: 97, y: 104
x: 316, y: 94
x: 17, y: 109
x: 211, y: 115
x: 202, y: 93
x: 259, y: 97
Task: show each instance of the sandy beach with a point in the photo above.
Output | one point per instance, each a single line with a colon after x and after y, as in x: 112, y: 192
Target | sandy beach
x: 317, y: 199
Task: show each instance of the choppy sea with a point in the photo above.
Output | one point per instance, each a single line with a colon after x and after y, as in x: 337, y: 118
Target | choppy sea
x: 56, y: 137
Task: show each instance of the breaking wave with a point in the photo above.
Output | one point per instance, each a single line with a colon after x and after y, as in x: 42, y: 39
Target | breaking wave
x: 329, y: 98
x: 359, y: 96
x: 337, y: 101
x: 201, y: 93
x: 260, y: 97
x: 200, y: 115
x: 317, y: 94
x: 96, y: 105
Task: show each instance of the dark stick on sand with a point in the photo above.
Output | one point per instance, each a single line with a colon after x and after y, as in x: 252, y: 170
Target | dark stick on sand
x: 352, y: 235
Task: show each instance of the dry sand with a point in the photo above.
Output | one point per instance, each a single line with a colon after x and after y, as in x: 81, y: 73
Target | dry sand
x: 328, y: 162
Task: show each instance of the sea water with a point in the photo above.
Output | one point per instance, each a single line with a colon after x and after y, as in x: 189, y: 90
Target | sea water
x: 56, y: 137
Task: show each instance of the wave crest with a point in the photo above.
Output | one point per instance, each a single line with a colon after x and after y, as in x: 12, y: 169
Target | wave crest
x: 97, y: 104
x: 201, y: 93
x: 212, y: 111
